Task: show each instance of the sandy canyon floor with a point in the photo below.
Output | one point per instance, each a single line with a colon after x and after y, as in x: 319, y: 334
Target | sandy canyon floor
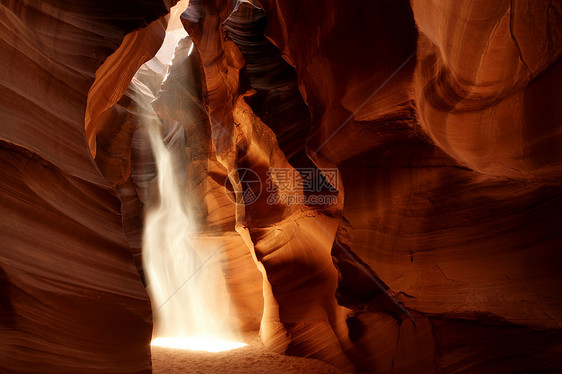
x: 253, y: 358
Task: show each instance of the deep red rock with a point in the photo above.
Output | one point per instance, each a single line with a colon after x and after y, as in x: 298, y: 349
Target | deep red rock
x: 72, y: 299
x: 442, y: 117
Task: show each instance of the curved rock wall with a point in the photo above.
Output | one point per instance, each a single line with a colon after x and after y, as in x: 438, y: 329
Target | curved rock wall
x: 448, y: 229
x: 442, y: 118
x: 72, y: 299
x: 480, y: 81
x: 299, y: 279
x: 428, y: 203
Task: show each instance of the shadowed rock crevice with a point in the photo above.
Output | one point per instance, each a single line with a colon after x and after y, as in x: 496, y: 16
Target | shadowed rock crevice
x: 277, y: 100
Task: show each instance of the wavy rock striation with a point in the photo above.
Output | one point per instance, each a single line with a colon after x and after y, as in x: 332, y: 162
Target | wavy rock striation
x: 447, y: 228
x: 72, y: 299
x: 441, y: 253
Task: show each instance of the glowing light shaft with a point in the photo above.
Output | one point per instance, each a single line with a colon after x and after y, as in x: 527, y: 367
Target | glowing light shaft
x: 186, y: 283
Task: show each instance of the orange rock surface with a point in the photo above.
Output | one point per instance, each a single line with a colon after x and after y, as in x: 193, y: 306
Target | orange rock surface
x: 71, y: 298
x: 442, y: 118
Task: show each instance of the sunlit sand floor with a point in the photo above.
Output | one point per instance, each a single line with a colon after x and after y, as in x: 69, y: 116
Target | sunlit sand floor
x: 253, y: 358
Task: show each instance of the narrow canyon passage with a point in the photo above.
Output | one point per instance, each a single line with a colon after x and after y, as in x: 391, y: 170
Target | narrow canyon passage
x: 244, y: 186
x: 195, y: 324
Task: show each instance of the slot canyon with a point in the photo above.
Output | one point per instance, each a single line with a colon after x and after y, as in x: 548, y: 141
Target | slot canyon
x: 281, y: 186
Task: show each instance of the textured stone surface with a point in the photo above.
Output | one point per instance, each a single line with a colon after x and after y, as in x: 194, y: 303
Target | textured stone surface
x: 442, y: 253
x: 72, y: 299
x: 449, y: 216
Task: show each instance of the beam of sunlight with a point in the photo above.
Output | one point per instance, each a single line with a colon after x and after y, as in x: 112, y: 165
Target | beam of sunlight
x: 190, y: 299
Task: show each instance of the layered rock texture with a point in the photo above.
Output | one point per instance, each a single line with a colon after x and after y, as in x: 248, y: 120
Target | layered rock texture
x: 439, y: 252
x: 71, y: 298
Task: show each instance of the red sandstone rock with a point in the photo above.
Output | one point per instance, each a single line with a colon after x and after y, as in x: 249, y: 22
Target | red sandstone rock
x: 72, y: 299
x: 442, y: 117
